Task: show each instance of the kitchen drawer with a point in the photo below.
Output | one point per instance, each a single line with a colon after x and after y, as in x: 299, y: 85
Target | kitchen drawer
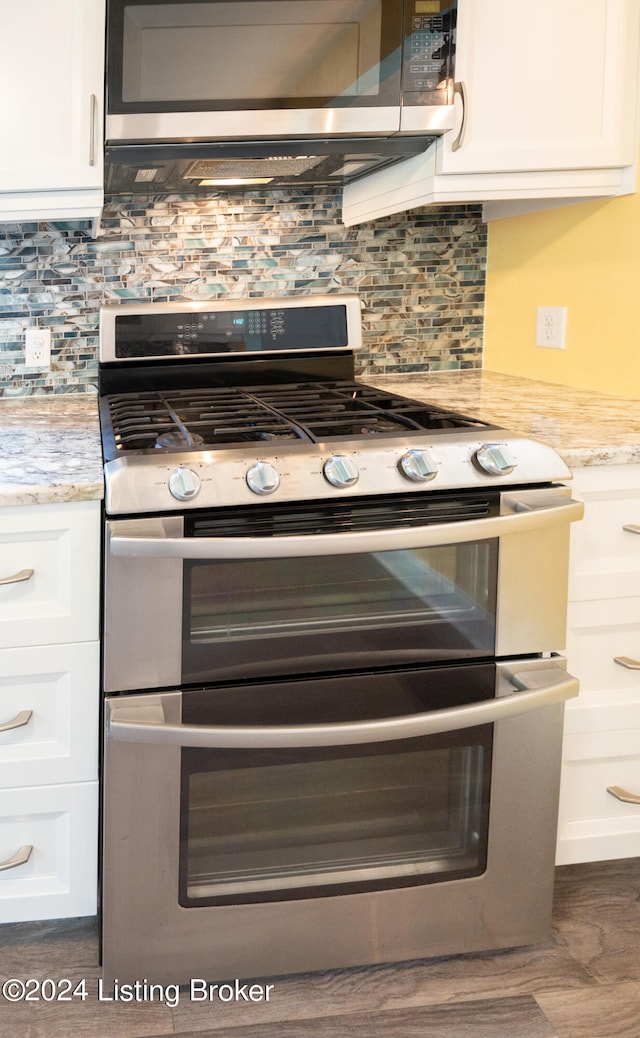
x: 59, y: 685
x: 50, y: 554
x: 592, y: 824
x: 60, y: 824
x: 597, y: 634
x: 605, y: 558
x: 601, y: 748
x: 602, y: 724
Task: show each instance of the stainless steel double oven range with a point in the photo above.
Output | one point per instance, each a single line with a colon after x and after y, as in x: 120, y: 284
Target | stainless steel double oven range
x: 333, y: 709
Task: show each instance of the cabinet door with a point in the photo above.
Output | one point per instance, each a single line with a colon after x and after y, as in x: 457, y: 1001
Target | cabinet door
x: 548, y: 85
x: 51, y: 83
x: 550, y: 113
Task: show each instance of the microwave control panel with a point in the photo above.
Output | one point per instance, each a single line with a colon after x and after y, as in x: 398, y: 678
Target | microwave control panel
x: 429, y: 51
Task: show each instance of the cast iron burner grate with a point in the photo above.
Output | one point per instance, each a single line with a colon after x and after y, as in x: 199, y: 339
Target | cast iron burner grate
x: 189, y: 419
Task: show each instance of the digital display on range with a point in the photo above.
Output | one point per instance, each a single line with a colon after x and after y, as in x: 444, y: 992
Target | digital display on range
x: 230, y: 331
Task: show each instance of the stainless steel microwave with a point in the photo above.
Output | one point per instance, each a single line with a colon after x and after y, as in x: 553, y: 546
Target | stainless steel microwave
x: 234, y: 76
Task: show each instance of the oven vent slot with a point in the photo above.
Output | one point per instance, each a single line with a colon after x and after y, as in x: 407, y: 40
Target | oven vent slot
x: 402, y: 510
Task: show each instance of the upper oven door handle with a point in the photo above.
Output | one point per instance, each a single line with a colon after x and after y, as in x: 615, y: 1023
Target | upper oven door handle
x: 539, y: 688
x: 522, y: 517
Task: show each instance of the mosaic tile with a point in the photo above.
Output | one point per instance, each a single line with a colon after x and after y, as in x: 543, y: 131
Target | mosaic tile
x: 421, y: 275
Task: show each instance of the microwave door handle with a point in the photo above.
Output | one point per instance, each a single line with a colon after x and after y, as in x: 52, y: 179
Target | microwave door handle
x: 559, y: 686
x: 521, y: 519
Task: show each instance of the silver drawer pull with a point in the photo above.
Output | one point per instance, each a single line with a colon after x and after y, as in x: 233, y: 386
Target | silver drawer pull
x: 21, y: 857
x: 18, y: 578
x: 18, y: 721
x: 621, y: 794
x: 631, y: 528
x: 626, y: 661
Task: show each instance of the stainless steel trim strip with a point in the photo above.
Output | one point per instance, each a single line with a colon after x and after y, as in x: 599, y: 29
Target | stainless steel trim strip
x: 21, y: 857
x: 157, y: 127
x: 423, y: 119
x: 349, y: 543
x: 18, y: 578
x: 19, y: 721
x: 126, y: 728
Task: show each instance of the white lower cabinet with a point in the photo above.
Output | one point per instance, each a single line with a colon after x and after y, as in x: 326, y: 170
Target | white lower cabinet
x: 602, y: 726
x: 49, y: 714
x: 49, y: 710
x: 49, y: 574
x: 55, y: 828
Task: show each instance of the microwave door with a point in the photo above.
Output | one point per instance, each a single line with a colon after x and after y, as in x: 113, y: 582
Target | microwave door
x: 261, y: 69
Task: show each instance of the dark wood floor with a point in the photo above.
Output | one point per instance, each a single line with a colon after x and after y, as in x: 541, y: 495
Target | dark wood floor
x: 584, y: 983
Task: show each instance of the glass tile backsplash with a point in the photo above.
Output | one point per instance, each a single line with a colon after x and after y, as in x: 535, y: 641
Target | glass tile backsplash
x: 420, y: 275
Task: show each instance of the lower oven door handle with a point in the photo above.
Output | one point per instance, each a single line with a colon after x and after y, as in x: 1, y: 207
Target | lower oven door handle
x: 522, y: 518
x: 124, y: 727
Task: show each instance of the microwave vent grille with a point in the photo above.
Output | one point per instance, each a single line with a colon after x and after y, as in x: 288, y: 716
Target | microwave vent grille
x: 274, y: 166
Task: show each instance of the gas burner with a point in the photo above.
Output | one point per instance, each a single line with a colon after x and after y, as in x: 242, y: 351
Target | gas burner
x: 180, y: 440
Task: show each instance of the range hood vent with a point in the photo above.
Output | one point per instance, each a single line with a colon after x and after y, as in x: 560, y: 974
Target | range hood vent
x: 273, y: 166
x: 198, y: 168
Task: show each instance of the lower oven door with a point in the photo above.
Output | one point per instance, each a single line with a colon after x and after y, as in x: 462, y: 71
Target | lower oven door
x: 396, y: 815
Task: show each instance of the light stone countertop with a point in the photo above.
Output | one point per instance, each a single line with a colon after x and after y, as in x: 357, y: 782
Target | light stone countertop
x: 585, y: 428
x: 50, y: 449
x: 50, y: 444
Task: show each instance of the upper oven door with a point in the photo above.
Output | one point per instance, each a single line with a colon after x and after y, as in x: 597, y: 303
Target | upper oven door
x: 253, y: 592
x: 252, y: 69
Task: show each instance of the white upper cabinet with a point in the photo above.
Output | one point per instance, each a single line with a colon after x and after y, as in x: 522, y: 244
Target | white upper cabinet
x: 51, y: 112
x: 546, y: 97
x: 548, y: 85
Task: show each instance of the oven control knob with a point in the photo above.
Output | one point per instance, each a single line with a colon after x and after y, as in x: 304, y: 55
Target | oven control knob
x: 341, y: 471
x: 418, y: 466
x: 495, y: 459
x: 262, y: 478
x: 184, y: 483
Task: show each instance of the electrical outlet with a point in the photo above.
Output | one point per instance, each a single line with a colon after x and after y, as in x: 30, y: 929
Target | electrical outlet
x: 551, y: 327
x: 38, y: 348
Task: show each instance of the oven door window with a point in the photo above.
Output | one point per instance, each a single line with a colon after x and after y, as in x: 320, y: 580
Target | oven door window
x: 270, y: 825
x: 288, y: 616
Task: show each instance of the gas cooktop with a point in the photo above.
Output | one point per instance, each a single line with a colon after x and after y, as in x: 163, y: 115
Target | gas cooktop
x: 313, y: 412
x: 240, y: 401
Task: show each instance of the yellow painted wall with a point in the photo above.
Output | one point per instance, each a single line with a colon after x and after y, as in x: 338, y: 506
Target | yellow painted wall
x: 585, y: 257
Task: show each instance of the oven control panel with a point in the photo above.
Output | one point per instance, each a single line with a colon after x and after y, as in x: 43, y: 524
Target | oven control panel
x: 228, y: 477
